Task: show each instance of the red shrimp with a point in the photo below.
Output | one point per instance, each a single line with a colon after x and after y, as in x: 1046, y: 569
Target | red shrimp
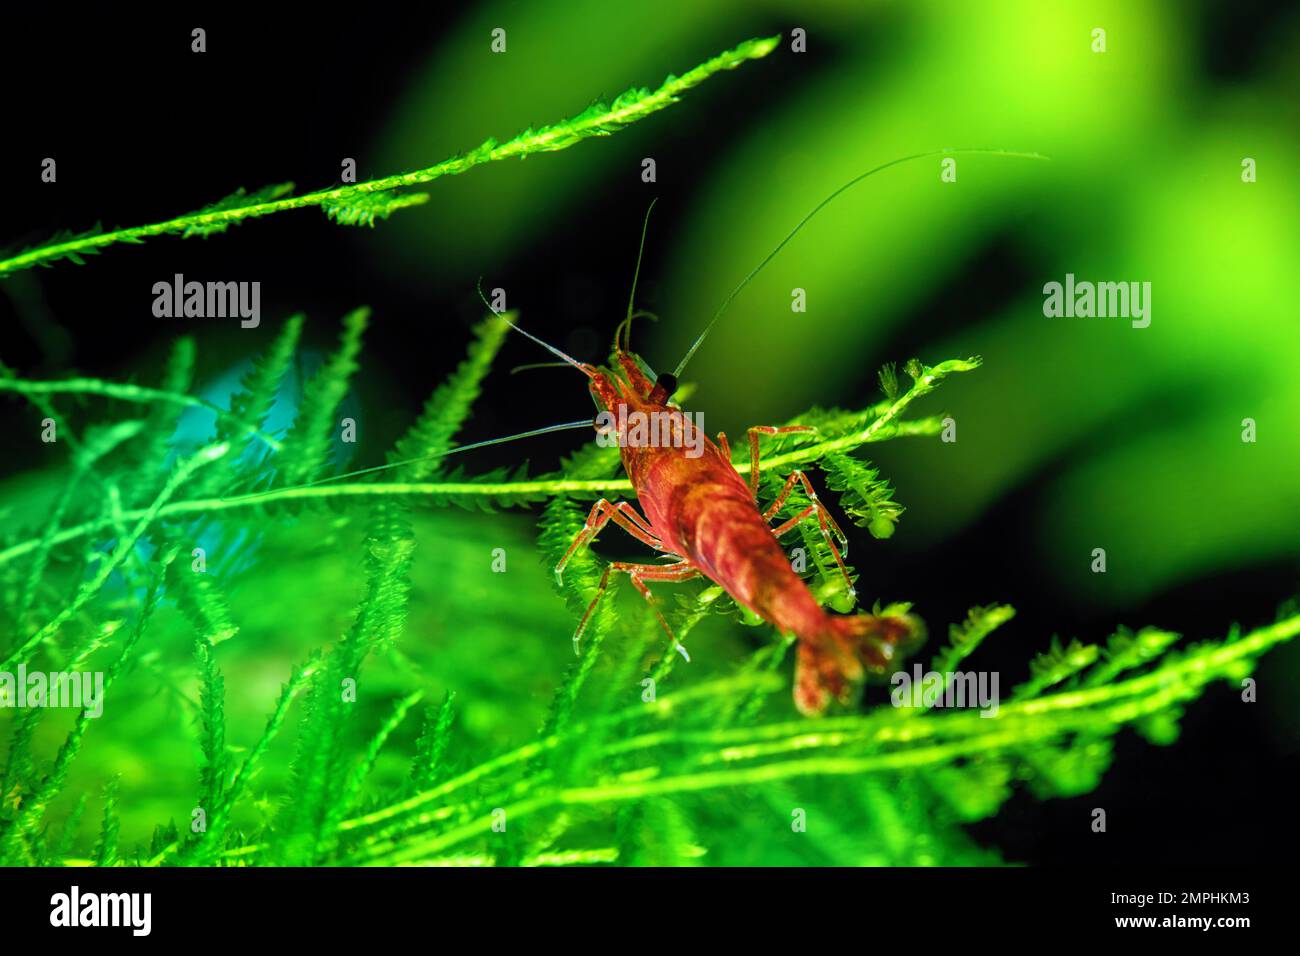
x: 700, y: 511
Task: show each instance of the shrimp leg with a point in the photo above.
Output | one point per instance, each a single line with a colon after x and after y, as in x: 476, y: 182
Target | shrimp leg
x: 624, y: 515
x: 753, y: 447
x: 825, y: 521
x: 639, y: 574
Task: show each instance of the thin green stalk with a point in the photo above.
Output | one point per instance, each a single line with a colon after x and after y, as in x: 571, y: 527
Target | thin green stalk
x: 884, y: 426
x: 539, y: 487
x: 598, y: 120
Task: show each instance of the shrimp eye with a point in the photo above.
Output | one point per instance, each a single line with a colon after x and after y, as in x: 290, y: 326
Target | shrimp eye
x: 665, y: 385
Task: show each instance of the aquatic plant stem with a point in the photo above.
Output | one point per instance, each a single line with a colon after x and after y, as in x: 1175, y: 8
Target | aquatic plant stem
x: 884, y: 426
x: 598, y: 120
x: 538, y: 488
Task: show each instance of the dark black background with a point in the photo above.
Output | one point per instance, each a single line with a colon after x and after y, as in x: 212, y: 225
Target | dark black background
x: 144, y: 130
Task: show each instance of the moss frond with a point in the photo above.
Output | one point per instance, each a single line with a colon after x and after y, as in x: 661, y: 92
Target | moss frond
x: 307, y: 445
x: 362, y: 203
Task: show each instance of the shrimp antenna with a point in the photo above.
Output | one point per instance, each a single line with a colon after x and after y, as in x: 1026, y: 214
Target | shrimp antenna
x: 529, y: 335
x: 636, y: 274
x: 532, y: 365
x: 818, y: 208
x: 585, y: 423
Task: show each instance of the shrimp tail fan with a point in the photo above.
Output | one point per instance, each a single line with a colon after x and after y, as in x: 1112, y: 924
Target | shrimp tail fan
x: 852, y: 649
